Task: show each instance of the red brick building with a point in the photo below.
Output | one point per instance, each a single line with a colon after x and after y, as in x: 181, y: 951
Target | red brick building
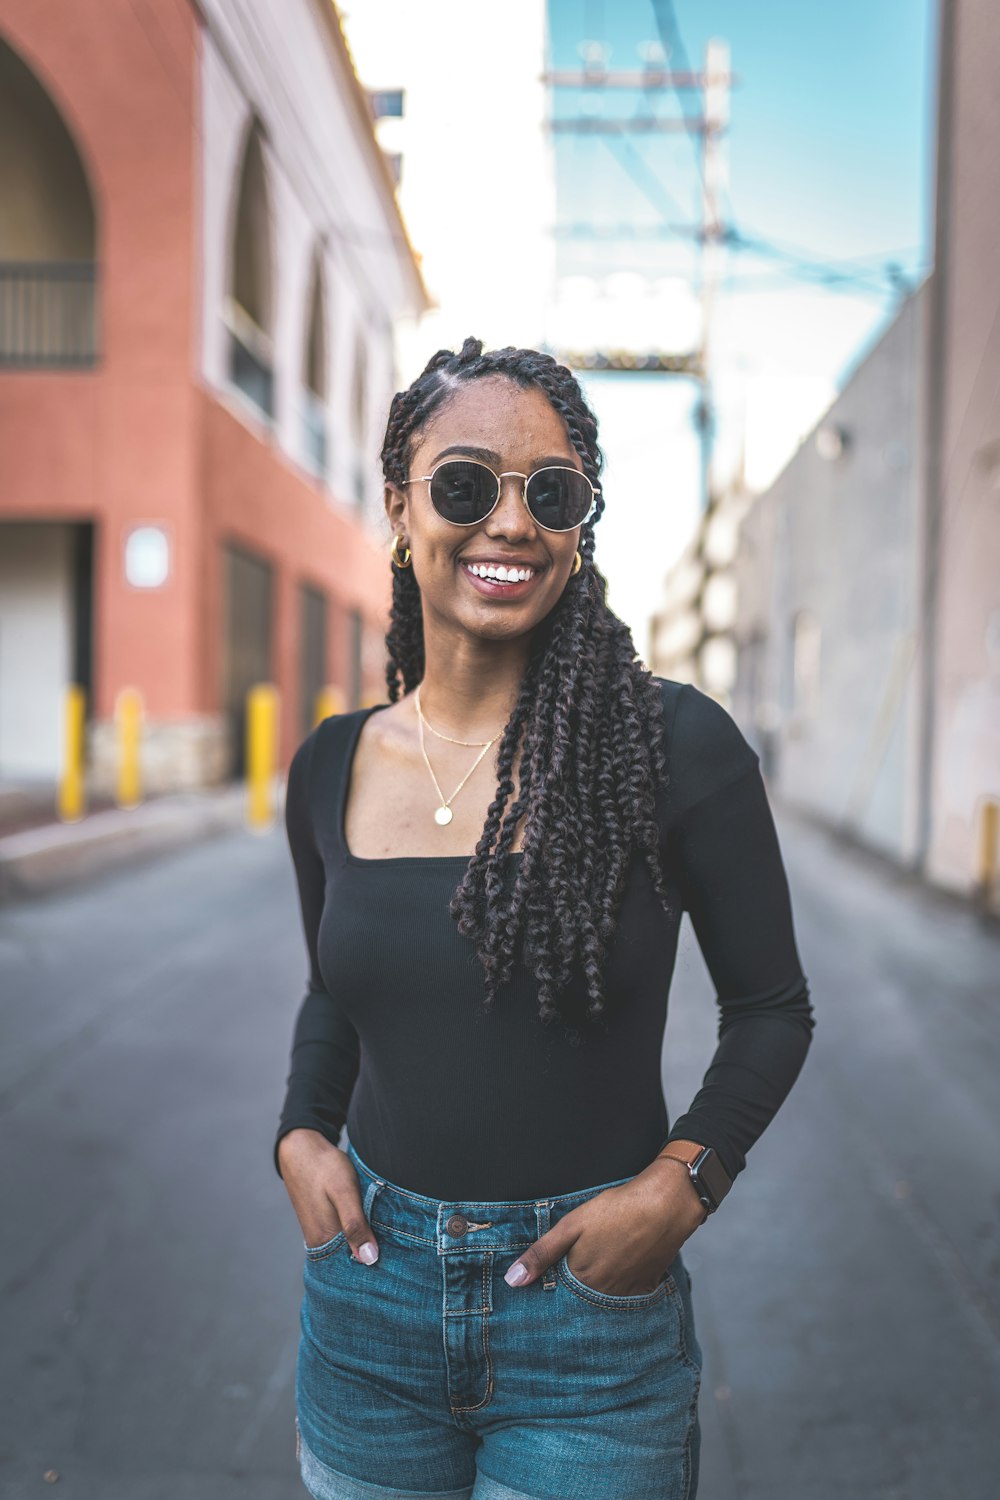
x: 202, y: 270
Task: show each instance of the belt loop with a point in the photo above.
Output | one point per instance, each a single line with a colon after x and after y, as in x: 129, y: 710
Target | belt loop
x: 544, y: 1218
x: 372, y: 1191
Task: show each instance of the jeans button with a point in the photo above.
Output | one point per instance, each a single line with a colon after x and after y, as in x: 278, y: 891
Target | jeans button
x: 457, y: 1225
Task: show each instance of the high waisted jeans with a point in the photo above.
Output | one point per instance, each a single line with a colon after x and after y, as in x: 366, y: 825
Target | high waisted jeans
x: 426, y: 1375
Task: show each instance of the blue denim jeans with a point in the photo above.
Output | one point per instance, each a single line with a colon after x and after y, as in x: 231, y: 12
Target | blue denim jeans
x: 426, y: 1375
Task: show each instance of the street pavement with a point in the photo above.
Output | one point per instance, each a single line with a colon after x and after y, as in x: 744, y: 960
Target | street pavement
x: 847, y: 1295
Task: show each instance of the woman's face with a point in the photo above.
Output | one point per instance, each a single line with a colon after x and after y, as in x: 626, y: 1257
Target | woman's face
x: 508, y: 428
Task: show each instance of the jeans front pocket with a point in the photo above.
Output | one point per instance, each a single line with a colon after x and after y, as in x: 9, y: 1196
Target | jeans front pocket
x: 319, y: 1252
x: 371, y: 1192
x: 665, y: 1287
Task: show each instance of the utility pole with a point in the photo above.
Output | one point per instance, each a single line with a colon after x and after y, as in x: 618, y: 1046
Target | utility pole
x: 714, y: 82
x: 714, y: 179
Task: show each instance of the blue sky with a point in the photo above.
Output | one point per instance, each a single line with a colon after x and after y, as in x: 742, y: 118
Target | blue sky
x: 829, y: 145
x: 830, y: 154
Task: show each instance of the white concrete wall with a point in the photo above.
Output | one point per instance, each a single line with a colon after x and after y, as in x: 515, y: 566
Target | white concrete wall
x: 36, y: 646
x: 965, y: 751
x: 840, y: 538
x: 326, y: 189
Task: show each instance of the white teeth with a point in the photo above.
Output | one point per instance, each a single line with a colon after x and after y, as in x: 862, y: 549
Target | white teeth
x: 500, y: 573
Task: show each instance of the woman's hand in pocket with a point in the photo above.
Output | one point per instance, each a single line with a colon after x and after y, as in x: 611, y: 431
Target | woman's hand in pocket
x: 325, y: 1192
x: 622, y: 1239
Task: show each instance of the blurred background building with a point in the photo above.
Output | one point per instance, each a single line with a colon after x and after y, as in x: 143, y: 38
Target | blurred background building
x: 827, y: 602
x: 202, y: 272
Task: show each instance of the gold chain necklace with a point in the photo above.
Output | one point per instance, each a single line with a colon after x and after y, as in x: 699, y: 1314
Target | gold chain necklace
x: 444, y: 814
x: 447, y: 737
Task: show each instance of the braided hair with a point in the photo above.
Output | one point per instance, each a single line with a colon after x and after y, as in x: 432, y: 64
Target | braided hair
x: 589, y: 717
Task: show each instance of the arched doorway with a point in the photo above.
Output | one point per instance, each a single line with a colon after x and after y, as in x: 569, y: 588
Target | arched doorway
x: 47, y: 230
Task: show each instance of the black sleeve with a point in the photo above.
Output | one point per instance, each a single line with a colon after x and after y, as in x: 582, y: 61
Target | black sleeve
x: 325, y: 1048
x: 736, y: 891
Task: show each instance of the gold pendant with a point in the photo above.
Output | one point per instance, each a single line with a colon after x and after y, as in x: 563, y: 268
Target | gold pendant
x: 443, y: 815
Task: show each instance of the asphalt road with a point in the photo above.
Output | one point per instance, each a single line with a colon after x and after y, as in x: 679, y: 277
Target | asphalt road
x: 847, y: 1296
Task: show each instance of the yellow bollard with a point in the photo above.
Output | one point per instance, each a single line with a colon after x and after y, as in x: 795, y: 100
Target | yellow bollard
x: 128, y: 727
x: 329, y: 701
x: 71, y: 797
x: 262, y: 753
x: 989, y: 839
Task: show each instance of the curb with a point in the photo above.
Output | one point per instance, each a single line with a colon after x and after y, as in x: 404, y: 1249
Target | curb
x: 60, y: 854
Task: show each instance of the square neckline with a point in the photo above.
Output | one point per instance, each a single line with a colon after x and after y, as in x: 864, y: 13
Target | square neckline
x: 386, y: 859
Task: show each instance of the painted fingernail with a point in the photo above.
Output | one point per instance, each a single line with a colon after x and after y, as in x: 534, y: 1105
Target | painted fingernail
x: 368, y: 1253
x: 516, y: 1274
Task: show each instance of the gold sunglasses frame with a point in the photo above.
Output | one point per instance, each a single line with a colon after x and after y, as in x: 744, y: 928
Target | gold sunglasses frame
x: 512, y: 474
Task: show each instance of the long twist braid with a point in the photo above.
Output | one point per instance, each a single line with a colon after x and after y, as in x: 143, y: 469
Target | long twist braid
x: 588, y: 721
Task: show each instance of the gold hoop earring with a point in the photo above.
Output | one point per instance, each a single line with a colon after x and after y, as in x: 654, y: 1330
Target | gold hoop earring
x: 400, y: 562
x: 577, y: 564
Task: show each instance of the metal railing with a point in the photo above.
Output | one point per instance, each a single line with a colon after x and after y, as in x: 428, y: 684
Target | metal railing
x: 48, y: 314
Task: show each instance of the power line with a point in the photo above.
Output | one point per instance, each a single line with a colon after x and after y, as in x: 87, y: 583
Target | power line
x: 825, y: 272
x: 877, y: 280
x: 673, y: 46
x: 776, y: 280
x: 802, y: 264
x: 807, y: 266
x: 642, y: 174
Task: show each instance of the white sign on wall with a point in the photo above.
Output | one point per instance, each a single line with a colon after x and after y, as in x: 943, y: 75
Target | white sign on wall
x: 147, y: 557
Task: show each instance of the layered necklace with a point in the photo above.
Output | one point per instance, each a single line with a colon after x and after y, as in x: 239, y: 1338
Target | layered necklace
x: 443, y: 814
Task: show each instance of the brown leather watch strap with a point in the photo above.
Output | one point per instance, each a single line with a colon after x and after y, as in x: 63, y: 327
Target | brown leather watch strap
x: 683, y: 1161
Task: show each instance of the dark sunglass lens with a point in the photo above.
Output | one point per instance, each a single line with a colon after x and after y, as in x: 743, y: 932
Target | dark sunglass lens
x: 559, y: 498
x: 463, y: 492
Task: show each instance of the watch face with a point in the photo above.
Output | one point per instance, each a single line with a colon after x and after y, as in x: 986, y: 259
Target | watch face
x: 713, y: 1176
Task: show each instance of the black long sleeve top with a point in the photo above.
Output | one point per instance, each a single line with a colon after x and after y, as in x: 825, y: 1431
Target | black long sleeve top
x: 446, y: 1100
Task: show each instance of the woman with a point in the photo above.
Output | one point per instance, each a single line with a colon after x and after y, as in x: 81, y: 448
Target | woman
x: 492, y: 869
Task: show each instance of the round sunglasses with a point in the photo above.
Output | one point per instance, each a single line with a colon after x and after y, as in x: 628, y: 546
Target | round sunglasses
x: 465, y: 491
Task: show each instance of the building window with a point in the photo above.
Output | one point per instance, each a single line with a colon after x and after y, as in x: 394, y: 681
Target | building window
x: 314, y: 394
x: 359, y: 416
x: 249, y: 312
x: 386, y: 103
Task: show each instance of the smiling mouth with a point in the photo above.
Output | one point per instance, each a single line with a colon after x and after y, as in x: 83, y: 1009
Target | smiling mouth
x: 500, y: 580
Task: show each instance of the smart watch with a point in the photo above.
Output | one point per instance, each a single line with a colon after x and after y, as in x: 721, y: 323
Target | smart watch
x: 711, y: 1180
